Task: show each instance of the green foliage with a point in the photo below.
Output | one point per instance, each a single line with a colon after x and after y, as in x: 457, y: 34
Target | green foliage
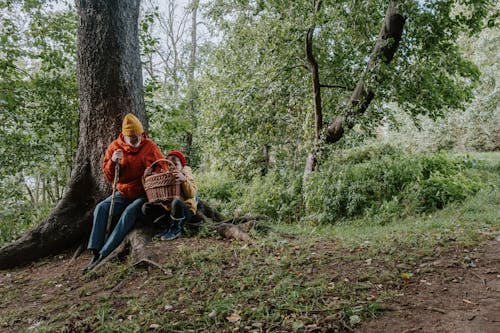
x: 477, y: 128
x: 216, y: 188
x: 276, y: 194
x: 383, y: 181
x: 15, y: 212
x: 38, y: 93
x: 168, y: 124
x: 440, y: 189
x: 38, y: 109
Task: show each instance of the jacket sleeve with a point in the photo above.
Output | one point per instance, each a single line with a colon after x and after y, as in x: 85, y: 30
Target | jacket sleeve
x: 108, y: 166
x: 189, y: 187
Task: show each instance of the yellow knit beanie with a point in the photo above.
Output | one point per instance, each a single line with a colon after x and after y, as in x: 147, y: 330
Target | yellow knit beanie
x: 131, y: 125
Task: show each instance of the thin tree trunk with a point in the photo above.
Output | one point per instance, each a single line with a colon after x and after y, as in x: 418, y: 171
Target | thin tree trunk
x: 318, y: 112
x: 191, y: 69
x: 30, y: 193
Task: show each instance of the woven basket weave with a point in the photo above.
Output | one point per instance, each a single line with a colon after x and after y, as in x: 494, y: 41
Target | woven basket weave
x: 161, y: 186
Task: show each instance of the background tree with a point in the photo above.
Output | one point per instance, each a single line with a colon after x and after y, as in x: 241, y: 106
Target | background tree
x: 171, y: 42
x: 262, y: 60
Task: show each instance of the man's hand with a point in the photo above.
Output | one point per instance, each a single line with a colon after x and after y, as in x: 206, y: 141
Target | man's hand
x: 179, y: 176
x: 117, y: 155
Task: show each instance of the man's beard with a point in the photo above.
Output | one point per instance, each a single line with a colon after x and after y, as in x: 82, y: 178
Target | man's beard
x: 127, y: 141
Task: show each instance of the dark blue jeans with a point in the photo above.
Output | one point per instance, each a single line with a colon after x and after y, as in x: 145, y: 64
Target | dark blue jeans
x: 129, y: 210
x: 180, y: 210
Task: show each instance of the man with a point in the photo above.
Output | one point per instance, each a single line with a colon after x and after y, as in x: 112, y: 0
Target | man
x: 134, y: 151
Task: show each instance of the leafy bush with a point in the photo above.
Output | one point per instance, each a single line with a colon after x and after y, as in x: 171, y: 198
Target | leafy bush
x: 16, y: 213
x: 276, y: 195
x: 384, y: 182
x: 440, y: 189
x: 216, y: 188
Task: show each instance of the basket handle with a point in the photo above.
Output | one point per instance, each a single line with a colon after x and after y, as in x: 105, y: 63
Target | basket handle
x: 149, y: 170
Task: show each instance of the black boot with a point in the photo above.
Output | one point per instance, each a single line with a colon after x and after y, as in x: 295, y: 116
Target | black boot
x: 96, y: 259
x: 174, y: 231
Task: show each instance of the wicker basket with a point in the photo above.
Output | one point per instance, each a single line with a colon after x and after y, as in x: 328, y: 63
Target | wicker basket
x: 161, y: 186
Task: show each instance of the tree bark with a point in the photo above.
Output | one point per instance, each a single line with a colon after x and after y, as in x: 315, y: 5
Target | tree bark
x: 313, y: 68
x: 384, y: 50
x: 318, y: 112
x: 110, y: 86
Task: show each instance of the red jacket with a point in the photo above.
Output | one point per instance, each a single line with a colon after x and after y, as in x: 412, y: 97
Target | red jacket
x: 135, y: 160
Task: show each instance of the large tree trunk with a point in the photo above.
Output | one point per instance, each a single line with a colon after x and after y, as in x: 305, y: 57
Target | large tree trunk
x: 110, y: 86
x: 384, y: 50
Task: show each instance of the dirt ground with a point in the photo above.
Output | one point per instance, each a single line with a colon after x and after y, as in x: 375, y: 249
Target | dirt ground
x: 461, y: 294
x: 457, y: 291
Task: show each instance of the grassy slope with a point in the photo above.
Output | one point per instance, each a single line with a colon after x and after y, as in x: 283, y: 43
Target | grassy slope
x: 295, y: 278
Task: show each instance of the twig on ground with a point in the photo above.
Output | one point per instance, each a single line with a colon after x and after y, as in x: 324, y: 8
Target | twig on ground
x: 430, y: 308
x: 145, y: 261
x: 480, y: 278
x: 77, y: 253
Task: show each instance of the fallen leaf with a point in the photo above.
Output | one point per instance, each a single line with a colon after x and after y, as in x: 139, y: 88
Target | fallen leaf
x: 233, y: 318
x: 425, y: 282
x: 354, y: 320
x: 154, y: 326
x: 168, y: 307
x: 212, y: 314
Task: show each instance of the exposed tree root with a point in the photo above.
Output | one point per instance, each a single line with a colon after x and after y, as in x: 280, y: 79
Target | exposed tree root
x: 233, y: 231
x: 79, y: 250
x: 135, y: 243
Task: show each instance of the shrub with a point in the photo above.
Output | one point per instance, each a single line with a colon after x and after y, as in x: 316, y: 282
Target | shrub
x: 16, y: 212
x: 383, y: 181
x: 440, y: 189
x: 216, y: 188
x: 276, y: 195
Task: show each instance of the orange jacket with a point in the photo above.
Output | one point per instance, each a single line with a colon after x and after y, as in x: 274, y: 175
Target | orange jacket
x: 135, y: 160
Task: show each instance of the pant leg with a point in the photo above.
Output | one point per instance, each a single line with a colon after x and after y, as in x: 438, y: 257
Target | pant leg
x: 124, y: 225
x: 180, y: 210
x: 101, y: 213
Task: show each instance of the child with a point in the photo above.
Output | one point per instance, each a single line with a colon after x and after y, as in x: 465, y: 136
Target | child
x: 182, y: 208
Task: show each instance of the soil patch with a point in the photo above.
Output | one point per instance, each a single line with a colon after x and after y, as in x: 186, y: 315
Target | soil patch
x: 455, y: 291
x: 458, y: 292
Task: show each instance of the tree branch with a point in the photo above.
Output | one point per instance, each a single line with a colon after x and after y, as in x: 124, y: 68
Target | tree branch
x: 384, y: 50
